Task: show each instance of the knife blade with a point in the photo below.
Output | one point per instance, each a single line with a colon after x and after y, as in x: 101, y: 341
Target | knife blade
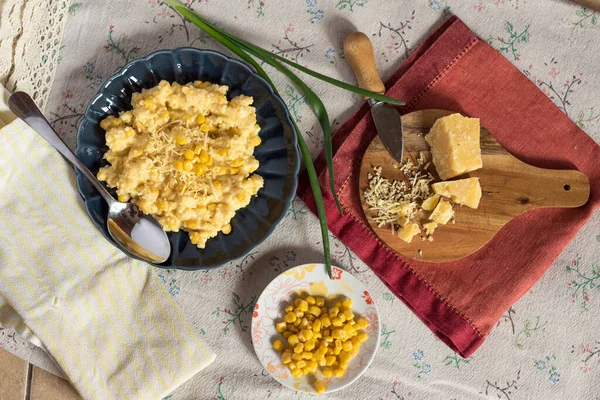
x: 389, y: 128
x: 358, y: 50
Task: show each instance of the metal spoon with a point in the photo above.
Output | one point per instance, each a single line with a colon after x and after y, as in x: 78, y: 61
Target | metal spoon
x: 137, y: 233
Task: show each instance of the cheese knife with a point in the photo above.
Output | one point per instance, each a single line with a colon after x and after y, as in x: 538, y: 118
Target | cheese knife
x: 358, y: 50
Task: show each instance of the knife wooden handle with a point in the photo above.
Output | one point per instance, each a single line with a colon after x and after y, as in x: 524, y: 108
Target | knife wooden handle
x: 358, y: 50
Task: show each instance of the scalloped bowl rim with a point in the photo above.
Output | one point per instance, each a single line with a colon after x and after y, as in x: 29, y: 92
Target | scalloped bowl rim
x: 296, y: 167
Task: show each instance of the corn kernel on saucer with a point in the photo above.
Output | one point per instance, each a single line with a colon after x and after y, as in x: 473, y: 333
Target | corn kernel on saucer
x: 313, y: 333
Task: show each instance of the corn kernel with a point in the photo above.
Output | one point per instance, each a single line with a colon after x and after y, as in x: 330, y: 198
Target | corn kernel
x: 299, y: 313
x: 188, y: 154
x: 210, y: 161
x: 193, y: 224
x: 278, y: 345
x: 226, y: 229
x: 199, y: 169
x: 289, y: 317
x: 289, y: 309
x: 217, y: 184
x: 329, y: 360
x: 319, y: 301
x: 362, y: 337
x: 317, y: 326
x: 310, y: 300
x: 309, y: 344
x: 308, y: 334
x: 123, y: 198
x: 348, y: 314
x: 188, y: 117
x: 314, y: 310
x: 339, y: 334
x: 296, y: 373
x: 338, y: 372
x: 344, y: 357
x: 296, y: 356
x: 305, y: 371
x: 204, y: 157
x: 293, y: 340
x: 303, y: 323
x: 309, y: 317
x: 287, y: 334
x: 200, y: 119
x: 327, y: 372
x: 213, y: 207
x: 342, y: 317
x: 234, y: 171
x: 333, y: 311
x: 347, y: 303
x: 349, y: 329
x: 303, y: 305
x: 362, y: 323
x: 299, y: 348
x: 336, y: 322
x: 296, y: 324
x: 301, y: 364
x: 286, y: 358
x: 149, y: 103
x: 255, y: 141
x: 205, y: 127
x: 318, y: 335
x: 181, y: 139
x: 338, y: 305
x: 221, y: 152
x: 188, y: 165
x: 347, y: 345
x: 198, y: 149
x: 325, y: 322
x: 330, y: 350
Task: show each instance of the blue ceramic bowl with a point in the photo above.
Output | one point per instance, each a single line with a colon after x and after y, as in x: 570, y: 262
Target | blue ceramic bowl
x: 277, y: 154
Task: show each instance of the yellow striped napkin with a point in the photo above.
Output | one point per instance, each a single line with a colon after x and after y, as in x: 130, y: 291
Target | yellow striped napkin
x: 105, y: 319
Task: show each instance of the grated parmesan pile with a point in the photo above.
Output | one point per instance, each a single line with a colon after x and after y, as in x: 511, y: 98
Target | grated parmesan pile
x: 393, y: 199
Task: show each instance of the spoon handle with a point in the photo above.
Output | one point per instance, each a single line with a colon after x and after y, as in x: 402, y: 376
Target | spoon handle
x: 23, y: 106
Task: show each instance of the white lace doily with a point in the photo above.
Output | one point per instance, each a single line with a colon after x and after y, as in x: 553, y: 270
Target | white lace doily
x: 30, y: 39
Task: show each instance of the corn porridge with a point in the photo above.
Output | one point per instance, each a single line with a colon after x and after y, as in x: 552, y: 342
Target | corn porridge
x: 184, y: 155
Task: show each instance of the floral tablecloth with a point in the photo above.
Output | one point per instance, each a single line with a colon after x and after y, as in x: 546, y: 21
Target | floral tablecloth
x: 546, y: 346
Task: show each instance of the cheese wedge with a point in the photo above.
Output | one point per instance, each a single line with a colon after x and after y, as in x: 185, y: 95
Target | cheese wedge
x: 462, y: 191
x: 455, y: 147
x: 430, y: 203
x: 409, y: 231
x: 442, y: 213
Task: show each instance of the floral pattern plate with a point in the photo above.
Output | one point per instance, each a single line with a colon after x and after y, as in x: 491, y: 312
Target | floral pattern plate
x: 312, y: 279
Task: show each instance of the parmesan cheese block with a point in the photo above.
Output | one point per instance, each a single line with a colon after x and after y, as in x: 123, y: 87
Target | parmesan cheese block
x: 442, y: 213
x: 430, y: 203
x: 454, y: 142
x: 462, y: 191
x: 409, y: 231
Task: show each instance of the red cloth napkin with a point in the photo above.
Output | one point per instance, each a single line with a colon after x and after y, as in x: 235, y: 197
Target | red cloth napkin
x: 461, y: 301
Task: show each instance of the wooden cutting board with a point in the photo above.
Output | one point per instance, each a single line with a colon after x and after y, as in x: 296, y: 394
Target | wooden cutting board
x: 509, y: 187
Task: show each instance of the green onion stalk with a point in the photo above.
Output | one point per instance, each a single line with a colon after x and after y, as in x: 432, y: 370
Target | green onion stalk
x: 245, y: 50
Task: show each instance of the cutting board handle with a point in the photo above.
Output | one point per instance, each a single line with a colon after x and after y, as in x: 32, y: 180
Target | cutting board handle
x: 549, y: 188
x: 358, y: 50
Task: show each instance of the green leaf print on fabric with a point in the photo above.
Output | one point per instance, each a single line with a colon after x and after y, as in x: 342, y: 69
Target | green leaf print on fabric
x: 587, y: 118
x: 454, y: 360
x: 528, y: 330
x: 385, y: 336
x: 584, y: 19
x: 510, y: 44
x: 350, y: 4
x: 583, y: 282
x: 73, y: 7
x: 219, y: 395
x: 118, y: 47
x: 237, y: 315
